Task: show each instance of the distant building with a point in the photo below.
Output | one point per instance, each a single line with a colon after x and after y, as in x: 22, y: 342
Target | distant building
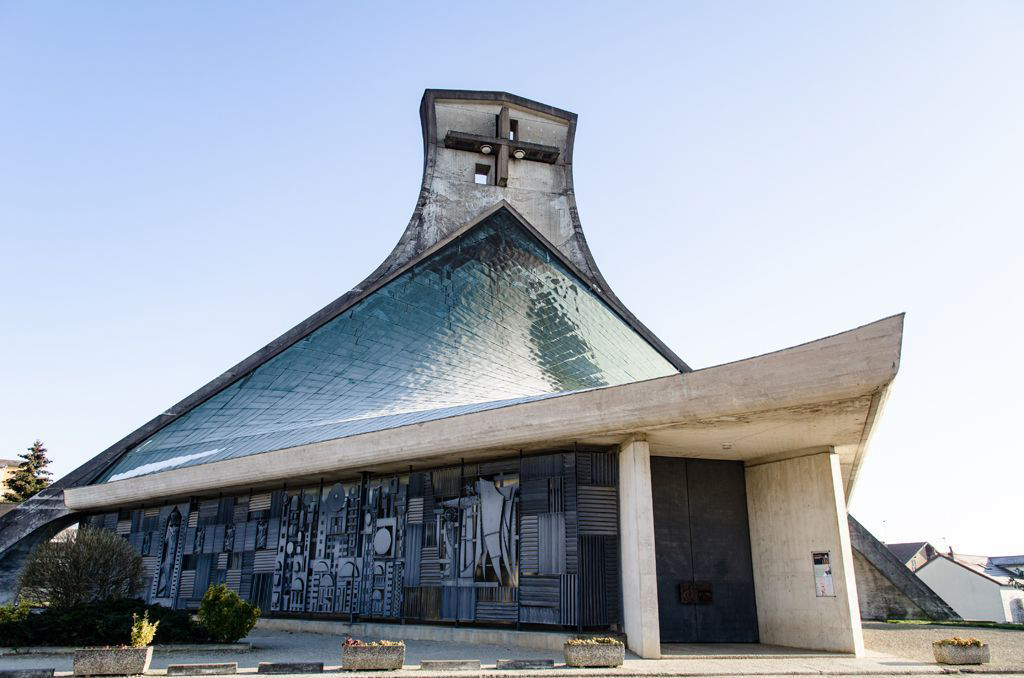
x: 913, y: 554
x: 7, y: 468
x: 978, y: 587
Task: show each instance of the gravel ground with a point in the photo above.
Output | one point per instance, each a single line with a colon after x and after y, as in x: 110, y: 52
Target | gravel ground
x: 914, y: 641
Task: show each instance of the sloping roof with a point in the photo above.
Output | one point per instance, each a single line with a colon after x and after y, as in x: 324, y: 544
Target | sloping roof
x: 905, y: 551
x: 882, y: 557
x: 492, y: 318
x: 984, y: 566
x: 1003, y: 561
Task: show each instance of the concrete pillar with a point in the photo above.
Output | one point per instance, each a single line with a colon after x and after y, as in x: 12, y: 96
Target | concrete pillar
x: 636, y: 524
x: 797, y: 507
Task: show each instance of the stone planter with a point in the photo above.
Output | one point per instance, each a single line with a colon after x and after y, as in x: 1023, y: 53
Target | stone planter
x: 960, y: 654
x: 112, y: 661
x: 372, y: 657
x: 595, y: 654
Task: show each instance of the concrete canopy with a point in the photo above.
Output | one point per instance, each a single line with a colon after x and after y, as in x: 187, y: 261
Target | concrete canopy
x: 824, y: 395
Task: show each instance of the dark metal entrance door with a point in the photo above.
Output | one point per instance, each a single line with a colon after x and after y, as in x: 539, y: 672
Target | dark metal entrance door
x: 702, y: 550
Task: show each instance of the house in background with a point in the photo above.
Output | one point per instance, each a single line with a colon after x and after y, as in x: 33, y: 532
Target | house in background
x: 913, y: 554
x: 1012, y: 564
x: 978, y: 587
x: 7, y: 469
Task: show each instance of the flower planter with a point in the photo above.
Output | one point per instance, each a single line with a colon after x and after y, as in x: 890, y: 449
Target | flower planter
x: 112, y: 661
x: 960, y: 654
x: 372, y: 657
x: 594, y: 654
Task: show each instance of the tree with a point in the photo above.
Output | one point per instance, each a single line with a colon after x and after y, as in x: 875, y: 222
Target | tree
x: 31, y: 475
x: 84, y: 566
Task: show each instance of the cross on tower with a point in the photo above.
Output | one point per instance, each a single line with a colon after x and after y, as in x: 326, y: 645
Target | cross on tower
x: 501, y: 146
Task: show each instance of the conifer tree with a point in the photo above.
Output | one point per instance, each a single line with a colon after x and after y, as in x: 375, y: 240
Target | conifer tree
x: 31, y: 475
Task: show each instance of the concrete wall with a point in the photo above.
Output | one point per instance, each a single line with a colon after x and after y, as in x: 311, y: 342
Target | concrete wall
x: 972, y: 595
x: 1013, y: 610
x: 878, y: 597
x: 886, y: 588
x: 1013, y: 601
x: 796, y: 506
x: 15, y: 557
x: 636, y: 526
x: 537, y: 190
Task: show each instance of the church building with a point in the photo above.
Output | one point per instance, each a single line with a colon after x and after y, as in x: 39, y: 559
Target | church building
x: 480, y: 433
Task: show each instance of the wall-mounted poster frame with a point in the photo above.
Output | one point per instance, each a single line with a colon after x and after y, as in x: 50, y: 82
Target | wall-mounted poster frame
x: 823, y: 584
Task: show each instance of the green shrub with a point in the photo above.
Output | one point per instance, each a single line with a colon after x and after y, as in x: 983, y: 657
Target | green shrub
x: 143, y: 630
x: 14, y: 612
x: 225, y: 616
x: 104, y: 623
x: 85, y: 566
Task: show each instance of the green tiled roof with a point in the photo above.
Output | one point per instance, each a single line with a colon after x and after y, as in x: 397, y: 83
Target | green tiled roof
x: 491, y: 319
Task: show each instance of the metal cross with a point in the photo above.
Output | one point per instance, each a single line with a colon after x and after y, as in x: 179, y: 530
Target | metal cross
x: 501, y: 146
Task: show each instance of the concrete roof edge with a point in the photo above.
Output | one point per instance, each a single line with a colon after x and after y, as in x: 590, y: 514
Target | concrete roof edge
x: 901, y: 316
x: 878, y: 402
x: 847, y: 366
x: 430, y: 95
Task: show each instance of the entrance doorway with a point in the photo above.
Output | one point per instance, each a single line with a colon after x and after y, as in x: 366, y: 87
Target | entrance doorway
x: 702, y: 551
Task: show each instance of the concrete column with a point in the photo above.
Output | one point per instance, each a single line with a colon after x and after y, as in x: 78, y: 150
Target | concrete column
x: 796, y: 507
x: 636, y: 525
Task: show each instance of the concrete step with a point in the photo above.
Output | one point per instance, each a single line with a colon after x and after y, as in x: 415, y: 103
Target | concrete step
x: 450, y: 665
x: 202, y: 669
x: 290, y: 667
x: 525, y: 664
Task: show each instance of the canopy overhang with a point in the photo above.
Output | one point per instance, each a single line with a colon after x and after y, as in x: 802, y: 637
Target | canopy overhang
x: 826, y: 394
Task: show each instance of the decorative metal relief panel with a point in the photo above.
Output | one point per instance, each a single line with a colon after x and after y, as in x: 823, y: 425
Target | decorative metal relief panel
x: 530, y: 540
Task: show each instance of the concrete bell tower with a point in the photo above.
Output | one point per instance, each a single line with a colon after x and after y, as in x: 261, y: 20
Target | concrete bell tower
x: 484, y: 150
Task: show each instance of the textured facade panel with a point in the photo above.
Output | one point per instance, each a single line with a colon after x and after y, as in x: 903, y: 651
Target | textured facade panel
x: 460, y: 550
x: 491, y: 319
x: 599, y: 582
x: 598, y: 510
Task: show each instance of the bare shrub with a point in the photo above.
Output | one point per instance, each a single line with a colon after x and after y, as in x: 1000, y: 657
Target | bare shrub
x: 143, y: 630
x: 84, y: 566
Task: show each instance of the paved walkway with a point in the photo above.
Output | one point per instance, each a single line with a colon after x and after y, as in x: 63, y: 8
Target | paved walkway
x: 914, y: 641
x: 282, y: 646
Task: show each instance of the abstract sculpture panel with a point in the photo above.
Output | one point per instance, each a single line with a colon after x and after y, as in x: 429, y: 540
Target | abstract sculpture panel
x: 531, y: 540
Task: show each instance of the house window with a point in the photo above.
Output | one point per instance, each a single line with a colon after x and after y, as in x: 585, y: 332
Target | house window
x: 513, y: 129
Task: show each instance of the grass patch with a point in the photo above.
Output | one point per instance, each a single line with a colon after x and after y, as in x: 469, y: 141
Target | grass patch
x: 968, y: 624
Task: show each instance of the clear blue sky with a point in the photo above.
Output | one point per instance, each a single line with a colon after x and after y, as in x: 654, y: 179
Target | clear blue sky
x: 182, y: 182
